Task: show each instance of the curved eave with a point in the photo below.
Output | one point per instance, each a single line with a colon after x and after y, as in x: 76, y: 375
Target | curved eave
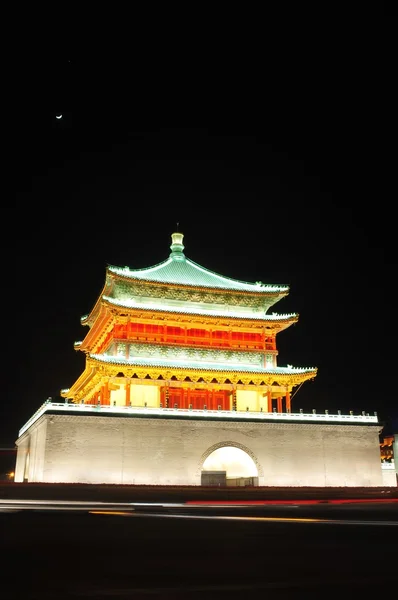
x: 281, y: 321
x: 287, y: 375
x: 98, y: 329
x: 85, y: 378
x: 280, y: 291
x: 89, y: 319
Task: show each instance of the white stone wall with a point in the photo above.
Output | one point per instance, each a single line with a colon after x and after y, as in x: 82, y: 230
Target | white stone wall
x: 130, y: 450
x: 32, y: 451
x: 389, y: 474
x: 22, y: 457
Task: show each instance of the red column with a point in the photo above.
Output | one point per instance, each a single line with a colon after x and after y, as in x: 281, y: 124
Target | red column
x: 128, y: 387
x: 288, y: 407
x: 279, y: 405
x: 106, y: 394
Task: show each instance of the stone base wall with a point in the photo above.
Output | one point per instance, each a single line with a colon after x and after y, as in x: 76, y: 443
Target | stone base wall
x: 389, y: 477
x: 150, y: 451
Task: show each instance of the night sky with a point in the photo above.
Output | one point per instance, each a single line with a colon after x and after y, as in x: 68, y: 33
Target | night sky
x: 286, y: 191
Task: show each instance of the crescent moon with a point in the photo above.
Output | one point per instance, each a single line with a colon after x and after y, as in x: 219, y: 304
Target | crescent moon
x: 58, y: 116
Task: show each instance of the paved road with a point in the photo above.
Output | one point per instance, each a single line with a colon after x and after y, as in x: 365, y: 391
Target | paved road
x: 180, y: 552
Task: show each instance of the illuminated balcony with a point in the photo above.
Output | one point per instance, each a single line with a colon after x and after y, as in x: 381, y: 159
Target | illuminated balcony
x: 188, y: 413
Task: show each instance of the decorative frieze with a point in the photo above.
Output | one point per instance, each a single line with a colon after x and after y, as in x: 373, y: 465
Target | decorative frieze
x: 127, y: 290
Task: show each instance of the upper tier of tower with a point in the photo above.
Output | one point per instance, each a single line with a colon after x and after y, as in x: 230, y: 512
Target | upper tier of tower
x: 180, y: 285
x: 180, y: 270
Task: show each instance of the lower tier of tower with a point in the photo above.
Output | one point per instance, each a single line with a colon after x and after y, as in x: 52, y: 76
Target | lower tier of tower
x: 184, y: 396
x: 143, y: 450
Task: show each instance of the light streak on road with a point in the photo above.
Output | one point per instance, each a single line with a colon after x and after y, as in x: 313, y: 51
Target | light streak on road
x: 119, y: 513
x: 256, y: 519
x: 177, y: 510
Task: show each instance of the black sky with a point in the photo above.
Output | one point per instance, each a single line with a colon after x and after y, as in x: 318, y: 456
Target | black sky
x: 283, y: 192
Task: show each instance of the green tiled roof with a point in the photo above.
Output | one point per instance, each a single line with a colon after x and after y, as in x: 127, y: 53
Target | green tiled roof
x: 208, y: 366
x: 186, y: 309
x: 179, y: 269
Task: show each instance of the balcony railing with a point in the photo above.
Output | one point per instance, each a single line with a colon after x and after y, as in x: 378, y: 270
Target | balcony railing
x: 190, y: 413
x: 388, y: 466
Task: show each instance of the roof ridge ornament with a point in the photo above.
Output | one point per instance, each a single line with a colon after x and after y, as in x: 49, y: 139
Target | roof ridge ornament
x: 177, y: 247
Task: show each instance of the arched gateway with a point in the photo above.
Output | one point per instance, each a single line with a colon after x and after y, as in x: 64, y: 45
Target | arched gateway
x: 229, y: 464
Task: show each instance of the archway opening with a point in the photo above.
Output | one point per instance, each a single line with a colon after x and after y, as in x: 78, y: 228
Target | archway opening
x: 229, y: 466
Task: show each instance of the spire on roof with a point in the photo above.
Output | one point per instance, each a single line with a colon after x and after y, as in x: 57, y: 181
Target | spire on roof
x: 177, y: 247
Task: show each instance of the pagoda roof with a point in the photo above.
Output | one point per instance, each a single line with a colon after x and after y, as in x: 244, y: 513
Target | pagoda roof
x: 180, y: 270
x: 201, y: 365
x: 187, y: 309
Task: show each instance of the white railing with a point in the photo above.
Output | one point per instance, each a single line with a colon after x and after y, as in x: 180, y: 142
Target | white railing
x: 388, y: 466
x: 192, y: 413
